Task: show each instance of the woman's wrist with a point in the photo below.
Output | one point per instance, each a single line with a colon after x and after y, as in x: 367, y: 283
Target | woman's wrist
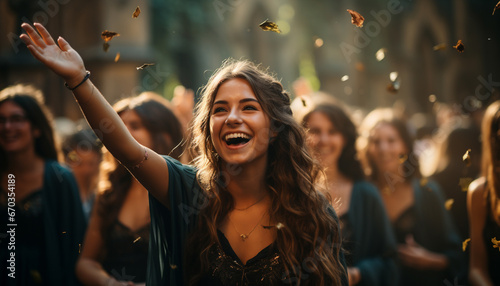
x: 73, y: 81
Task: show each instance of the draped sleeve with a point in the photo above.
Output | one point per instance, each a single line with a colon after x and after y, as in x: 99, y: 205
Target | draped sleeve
x: 171, y: 225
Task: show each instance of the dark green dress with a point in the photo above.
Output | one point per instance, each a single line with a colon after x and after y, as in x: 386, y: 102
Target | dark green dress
x: 49, y: 231
x: 170, y: 228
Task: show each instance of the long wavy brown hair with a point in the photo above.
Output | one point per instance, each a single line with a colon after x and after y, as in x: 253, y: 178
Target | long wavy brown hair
x: 310, y: 237
x: 115, y: 180
x: 491, y: 156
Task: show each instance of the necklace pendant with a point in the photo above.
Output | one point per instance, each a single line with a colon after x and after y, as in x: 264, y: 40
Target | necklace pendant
x: 243, y: 236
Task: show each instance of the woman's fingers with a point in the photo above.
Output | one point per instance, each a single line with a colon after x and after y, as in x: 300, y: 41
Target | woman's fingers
x: 36, y: 39
x: 34, y: 49
x: 63, y: 44
x: 44, y: 33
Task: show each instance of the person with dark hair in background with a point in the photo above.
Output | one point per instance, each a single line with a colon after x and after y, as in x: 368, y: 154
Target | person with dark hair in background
x: 453, y: 173
x: 366, y: 231
x: 429, y: 248
x: 483, y: 203
x: 117, y: 239
x: 249, y: 207
x: 47, y: 213
x: 83, y: 155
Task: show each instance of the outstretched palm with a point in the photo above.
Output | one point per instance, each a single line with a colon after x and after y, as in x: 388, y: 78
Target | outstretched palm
x: 62, y: 59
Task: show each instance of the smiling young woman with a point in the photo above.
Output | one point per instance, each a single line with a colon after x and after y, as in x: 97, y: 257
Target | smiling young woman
x: 248, y: 207
x: 47, y: 210
x: 429, y: 247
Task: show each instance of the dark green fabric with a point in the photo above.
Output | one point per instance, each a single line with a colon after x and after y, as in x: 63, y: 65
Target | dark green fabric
x: 374, y: 245
x: 64, y: 224
x: 170, y: 227
x: 435, y: 231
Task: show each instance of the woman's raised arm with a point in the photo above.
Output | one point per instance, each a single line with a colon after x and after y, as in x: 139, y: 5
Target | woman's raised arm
x: 151, y: 170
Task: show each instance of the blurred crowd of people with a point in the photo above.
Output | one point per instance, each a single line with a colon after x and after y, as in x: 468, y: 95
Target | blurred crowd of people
x: 83, y: 219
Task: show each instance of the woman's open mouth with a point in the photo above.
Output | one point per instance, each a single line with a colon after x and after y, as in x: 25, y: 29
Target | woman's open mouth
x: 236, y: 140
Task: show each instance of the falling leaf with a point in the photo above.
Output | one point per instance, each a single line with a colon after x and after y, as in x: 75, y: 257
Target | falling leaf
x: 144, y: 66
x: 269, y: 26
x: 448, y: 204
x: 63, y: 232
x: 496, y: 243
x: 464, y: 183
x: 136, y: 12
x: 423, y: 182
x: 117, y: 57
x: 105, y: 46
x: 464, y: 244
x: 459, y: 46
x: 496, y: 7
x: 173, y: 266
x: 439, y: 47
x: 466, y: 158
x: 108, y: 35
x: 393, y: 87
x: 137, y: 239
x: 356, y: 18
x: 380, y: 54
x: 344, y: 78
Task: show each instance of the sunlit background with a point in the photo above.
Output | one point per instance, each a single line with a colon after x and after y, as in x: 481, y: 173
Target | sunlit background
x: 402, y: 55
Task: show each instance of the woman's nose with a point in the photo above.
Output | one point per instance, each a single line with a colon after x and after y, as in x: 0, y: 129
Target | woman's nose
x: 233, y: 117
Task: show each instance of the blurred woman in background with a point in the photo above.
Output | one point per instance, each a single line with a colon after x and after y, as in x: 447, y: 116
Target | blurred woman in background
x: 483, y: 203
x: 429, y: 248
x: 47, y: 213
x: 116, y: 245
x: 366, y: 232
x: 83, y: 154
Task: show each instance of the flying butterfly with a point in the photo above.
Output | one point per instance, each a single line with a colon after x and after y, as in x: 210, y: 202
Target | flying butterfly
x: 108, y: 35
x: 269, y: 26
x: 356, y: 18
x: 459, y: 46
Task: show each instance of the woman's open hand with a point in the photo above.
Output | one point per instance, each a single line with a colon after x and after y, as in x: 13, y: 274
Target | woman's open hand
x: 62, y: 59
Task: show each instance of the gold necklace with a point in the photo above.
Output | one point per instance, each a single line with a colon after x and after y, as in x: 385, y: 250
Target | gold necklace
x: 244, y: 209
x: 242, y: 235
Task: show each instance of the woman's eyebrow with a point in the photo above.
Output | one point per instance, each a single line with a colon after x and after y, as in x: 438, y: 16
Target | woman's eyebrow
x: 241, y: 101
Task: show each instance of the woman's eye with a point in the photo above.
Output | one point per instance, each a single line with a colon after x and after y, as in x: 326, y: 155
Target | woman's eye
x: 249, y: 107
x: 218, y: 109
